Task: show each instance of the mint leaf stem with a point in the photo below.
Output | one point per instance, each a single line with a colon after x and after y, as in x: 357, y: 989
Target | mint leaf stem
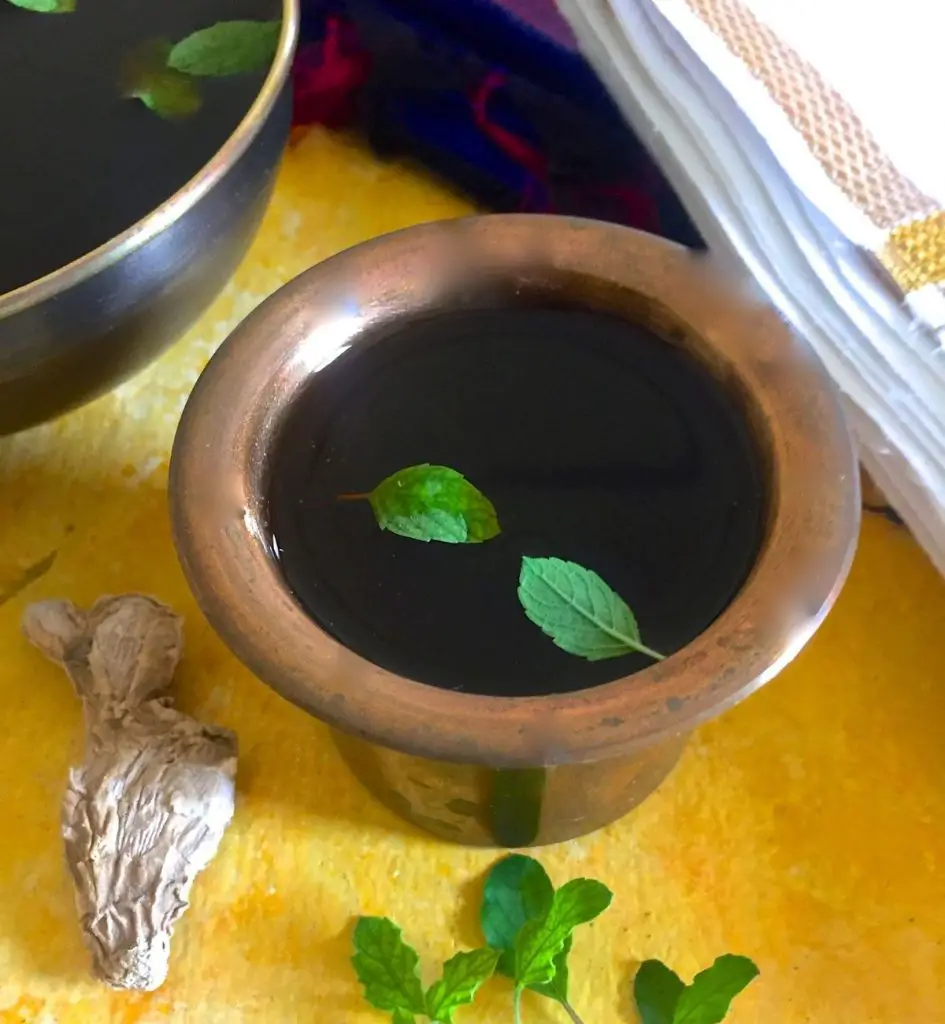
x: 563, y: 1003
x: 655, y: 655
x: 352, y: 497
x: 571, y: 1012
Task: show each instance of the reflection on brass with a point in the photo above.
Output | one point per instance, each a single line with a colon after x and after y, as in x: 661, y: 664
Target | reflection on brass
x: 464, y: 765
x: 512, y: 807
x: 514, y: 800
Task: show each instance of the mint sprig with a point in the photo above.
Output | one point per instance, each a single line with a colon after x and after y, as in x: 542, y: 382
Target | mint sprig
x: 146, y: 77
x: 517, y: 890
x: 578, y: 610
x: 529, y: 928
x: 388, y: 969
x: 164, y: 85
x: 162, y: 75
x: 663, y: 998
x: 541, y: 942
x: 431, y: 503
x: 532, y: 925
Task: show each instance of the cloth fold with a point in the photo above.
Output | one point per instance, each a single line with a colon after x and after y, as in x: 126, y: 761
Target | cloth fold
x: 803, y: 140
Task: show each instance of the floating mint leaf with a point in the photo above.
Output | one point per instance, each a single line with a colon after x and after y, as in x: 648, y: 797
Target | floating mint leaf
x: 540, y: 942
x: 227, y: 48
x: 46, y: 6
x: 708, y: 998
x: 463, y: 975
x: 387, y: 968
x: 146, y: 77
x: 168, y: 95
x: 656, y: 990
x: 577, y: 609
x: 518, y: 890
x: 432, y: 503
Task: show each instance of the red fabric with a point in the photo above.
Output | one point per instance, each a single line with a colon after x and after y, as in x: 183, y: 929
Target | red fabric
x: 327, y: 76
x: 625, y: 203
x: 330, y: 73
x: 519, y: 150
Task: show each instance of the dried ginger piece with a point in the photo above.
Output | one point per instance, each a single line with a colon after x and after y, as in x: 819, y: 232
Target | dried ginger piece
x: 146, y: 810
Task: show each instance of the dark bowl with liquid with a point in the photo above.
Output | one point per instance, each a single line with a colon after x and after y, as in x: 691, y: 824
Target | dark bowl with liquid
x: 622, y: 405
x: 135, y: 243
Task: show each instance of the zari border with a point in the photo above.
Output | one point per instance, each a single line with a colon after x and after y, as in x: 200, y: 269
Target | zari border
x: 833, y: 131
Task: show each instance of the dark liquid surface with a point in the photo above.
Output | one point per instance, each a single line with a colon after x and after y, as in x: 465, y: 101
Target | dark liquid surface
x: 79, y: 163
x: 596, y: 441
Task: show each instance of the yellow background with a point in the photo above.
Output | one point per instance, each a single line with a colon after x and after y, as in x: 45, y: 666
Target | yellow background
x: 805, y: 828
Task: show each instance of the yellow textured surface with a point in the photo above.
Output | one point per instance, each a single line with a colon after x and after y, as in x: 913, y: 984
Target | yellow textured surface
x: 806, y: 828
x: 915, y: 253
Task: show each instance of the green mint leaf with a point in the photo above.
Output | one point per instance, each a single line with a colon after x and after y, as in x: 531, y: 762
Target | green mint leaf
x: 577, y: 609
x: 657, y: 990
x: 169, y: 96
x: 707, y: 999
x: 517, y: 891
x: 227, y: 48
x: 46, y: 6
x: 433, y: 503
x: 557, y: 988
x: 462, y: 976
x: 147, y: 78
x: 539, y: 943
x: 387, y: 969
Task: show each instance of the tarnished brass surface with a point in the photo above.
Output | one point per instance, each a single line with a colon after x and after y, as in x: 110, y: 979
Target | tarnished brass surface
x: 567, y: 763
x: 79, y: 331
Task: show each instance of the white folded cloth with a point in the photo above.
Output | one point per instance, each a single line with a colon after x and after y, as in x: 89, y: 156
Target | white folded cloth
x: 805, y: 139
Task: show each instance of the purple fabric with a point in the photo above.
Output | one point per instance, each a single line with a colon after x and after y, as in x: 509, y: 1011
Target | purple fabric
x: 543, y: 16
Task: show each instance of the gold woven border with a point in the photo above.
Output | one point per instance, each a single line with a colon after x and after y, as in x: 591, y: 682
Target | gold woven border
x: 836, y: 136
x: 914, y: 253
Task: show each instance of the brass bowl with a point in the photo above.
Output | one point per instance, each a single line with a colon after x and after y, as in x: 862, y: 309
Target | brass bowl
x: 512, y: 771
x: 77, y: 332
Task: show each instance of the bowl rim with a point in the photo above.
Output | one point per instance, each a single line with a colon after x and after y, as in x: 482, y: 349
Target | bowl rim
x: 218, y: 482
x: 183, y: 200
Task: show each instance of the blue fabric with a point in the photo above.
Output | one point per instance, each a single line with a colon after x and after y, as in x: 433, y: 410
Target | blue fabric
x: 555, y: 141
